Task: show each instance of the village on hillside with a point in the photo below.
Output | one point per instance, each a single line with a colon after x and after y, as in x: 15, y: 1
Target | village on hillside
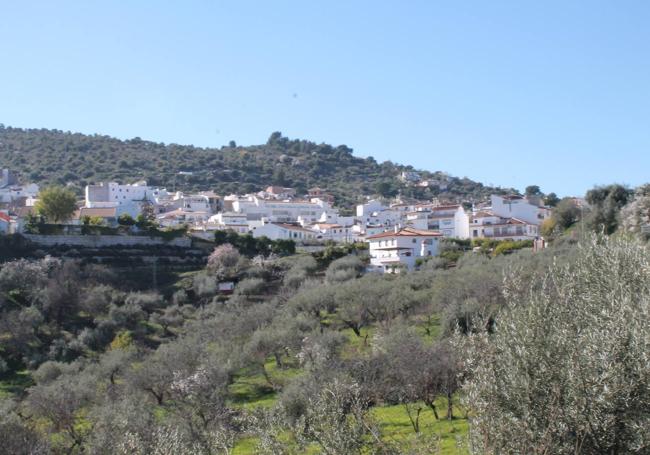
x: 398, y: 232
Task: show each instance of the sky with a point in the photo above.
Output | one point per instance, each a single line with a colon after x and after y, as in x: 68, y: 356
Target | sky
x: 509, y: 93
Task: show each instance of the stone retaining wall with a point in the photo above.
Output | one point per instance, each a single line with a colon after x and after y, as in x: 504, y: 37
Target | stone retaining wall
x: 100, y: 241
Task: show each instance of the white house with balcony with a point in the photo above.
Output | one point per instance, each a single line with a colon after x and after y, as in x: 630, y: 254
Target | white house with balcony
x: 401, y: 248
x: 486, y: 224
x: 450, y: 220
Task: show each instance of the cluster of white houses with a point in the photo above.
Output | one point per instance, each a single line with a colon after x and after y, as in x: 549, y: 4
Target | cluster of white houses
x: 397, y: 233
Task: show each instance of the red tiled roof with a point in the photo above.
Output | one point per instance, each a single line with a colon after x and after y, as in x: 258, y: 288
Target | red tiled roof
x: 4, y: 217
x: 483, y: 214
x: 406, y: 232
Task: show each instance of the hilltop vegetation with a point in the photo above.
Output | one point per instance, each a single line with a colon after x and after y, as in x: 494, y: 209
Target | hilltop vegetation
x: 56, y: 157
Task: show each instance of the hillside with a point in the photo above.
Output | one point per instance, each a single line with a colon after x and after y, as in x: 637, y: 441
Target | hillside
x: 57, y: 157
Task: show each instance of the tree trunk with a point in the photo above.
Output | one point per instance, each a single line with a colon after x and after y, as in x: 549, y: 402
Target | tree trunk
x: 450, y: 407
x: 278, y: 359
x: 432, y: 406
x: 267, y: 377
x: 415, y: 422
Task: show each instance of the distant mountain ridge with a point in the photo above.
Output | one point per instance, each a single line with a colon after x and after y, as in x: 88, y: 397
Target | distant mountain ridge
x: 56, y: 157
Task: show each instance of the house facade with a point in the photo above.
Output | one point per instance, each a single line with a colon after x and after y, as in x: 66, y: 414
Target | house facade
x: 519, y: 207
x: 488, y: 225
x: 333, y: 232
x: 392, y: 251
x: 128, y: 198
x: 282, y: 211
x: 278, y: 231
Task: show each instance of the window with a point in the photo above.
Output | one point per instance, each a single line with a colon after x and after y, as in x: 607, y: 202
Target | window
x: 413, y: 241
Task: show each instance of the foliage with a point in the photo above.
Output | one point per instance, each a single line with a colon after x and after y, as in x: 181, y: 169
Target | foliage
x: 566, y: 368
x: 125, y: 220
x: 551, y: 200
x: 55, y: 157
x: 606, y: 203
x: 566, y: 213
x: 56, y: 203
x: 251, y: 246
x: 636, y: 215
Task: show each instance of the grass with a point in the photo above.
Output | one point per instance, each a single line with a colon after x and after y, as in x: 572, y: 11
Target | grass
x: 444, y: 437
x: 15, y: 383
x: 250, y: 389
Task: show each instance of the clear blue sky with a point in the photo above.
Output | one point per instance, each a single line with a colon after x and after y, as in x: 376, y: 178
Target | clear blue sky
x: 505, y: 92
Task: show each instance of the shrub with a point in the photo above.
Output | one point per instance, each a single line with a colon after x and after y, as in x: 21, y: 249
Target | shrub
x: 565, y: 370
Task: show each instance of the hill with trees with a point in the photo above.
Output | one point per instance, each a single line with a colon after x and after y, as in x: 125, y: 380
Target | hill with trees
x: 53, y: 157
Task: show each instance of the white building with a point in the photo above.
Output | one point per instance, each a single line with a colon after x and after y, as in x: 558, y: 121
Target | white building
x: 450, y: 220
x: 390, y: 251
x: 228, y: 221
x: 333, y: 232
x: 372, y: 206
x: 181, y: 217
x: 127, y: 198
x: 519, y: 207
x: 282, y: 211
x: 277, y: 192
x: 409, y: 177
x: 485, y: 224
x: 277, y: 231
x: 7, y: 178
x: 12, y: 193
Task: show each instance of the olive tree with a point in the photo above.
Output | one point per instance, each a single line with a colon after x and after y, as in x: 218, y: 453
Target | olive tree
x: 567, y: 367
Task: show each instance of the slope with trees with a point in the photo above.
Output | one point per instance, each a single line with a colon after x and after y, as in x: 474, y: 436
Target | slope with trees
x: 53, y: 157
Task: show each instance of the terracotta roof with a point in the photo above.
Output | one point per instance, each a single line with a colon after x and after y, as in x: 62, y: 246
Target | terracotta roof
x: 483, y: 214
x: 406, y: 232
x: 4, y: 217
